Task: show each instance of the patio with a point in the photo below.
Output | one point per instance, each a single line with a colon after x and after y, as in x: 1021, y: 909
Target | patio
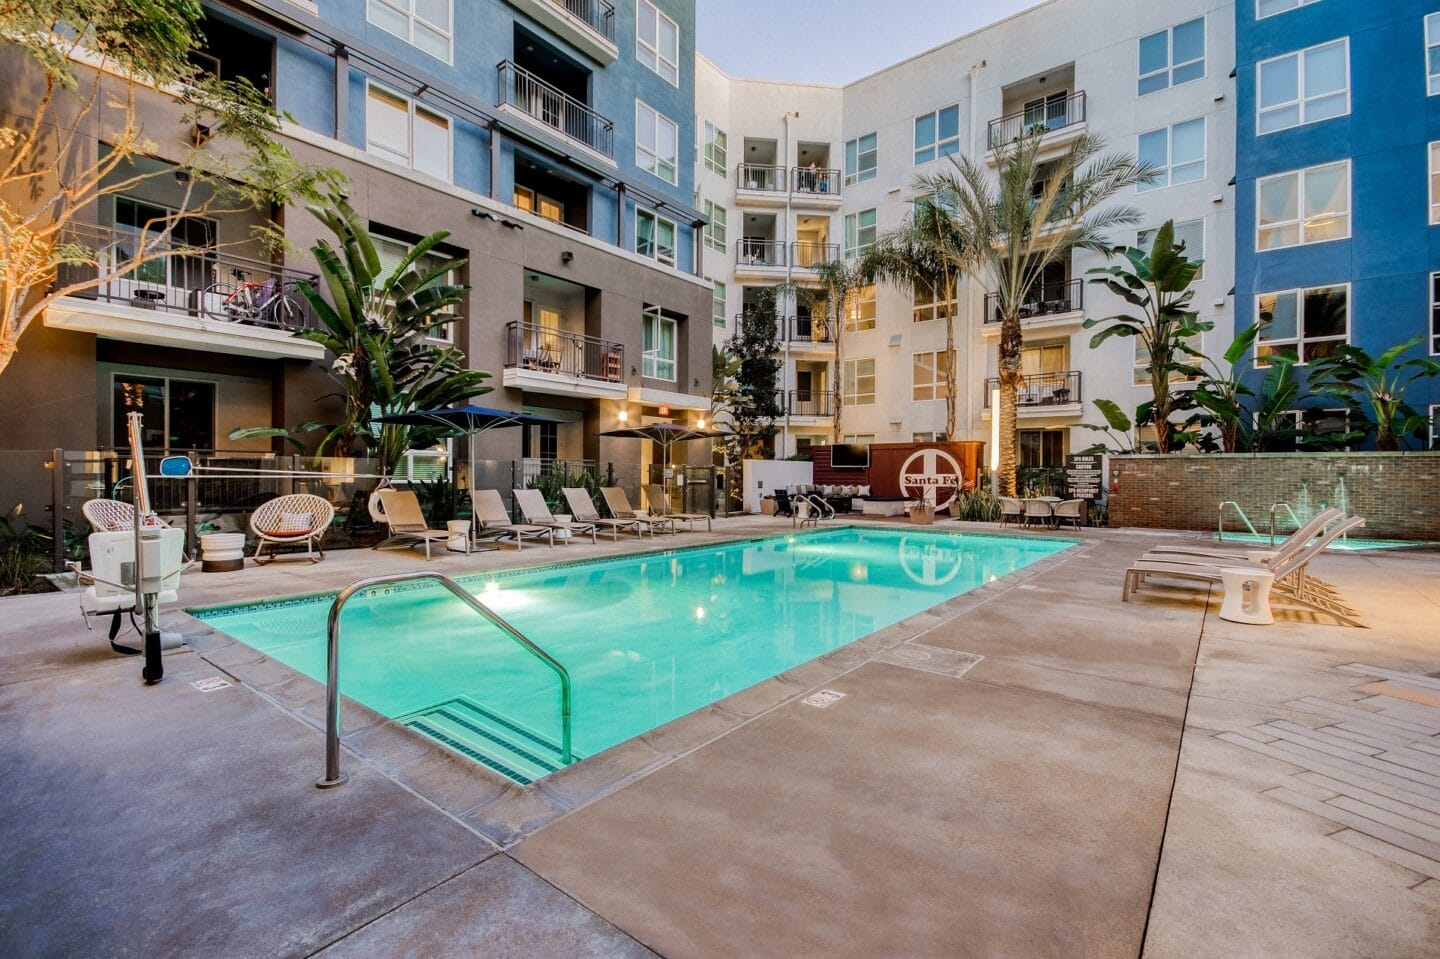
x: 1077, y: 791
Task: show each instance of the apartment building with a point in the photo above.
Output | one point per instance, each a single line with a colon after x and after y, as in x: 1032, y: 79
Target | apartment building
x: 1338, y: 181
x: 1152, y: 78
x: 552, y: 138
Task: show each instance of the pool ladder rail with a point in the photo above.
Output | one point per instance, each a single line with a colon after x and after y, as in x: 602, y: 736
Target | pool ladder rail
x: 333, y: 776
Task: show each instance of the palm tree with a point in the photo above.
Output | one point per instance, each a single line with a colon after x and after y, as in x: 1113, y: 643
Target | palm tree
x: 926, y: 253
x: 839, y: 282
x: 1034, y: 216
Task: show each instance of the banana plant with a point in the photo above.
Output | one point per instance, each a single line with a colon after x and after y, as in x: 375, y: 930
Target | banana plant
x: 1223, y: 392
x: 1374, y: 387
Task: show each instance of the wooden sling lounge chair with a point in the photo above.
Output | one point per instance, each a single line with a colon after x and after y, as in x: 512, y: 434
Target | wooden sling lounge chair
x: 582, y: 507
x: 660, y: 506
x: 400, y: 509
x: 619, y: 506
x: 493, y: 521
x: 537, y: 513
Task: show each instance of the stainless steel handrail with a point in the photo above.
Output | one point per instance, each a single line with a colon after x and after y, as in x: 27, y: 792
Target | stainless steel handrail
x: 1220, y: 534
x: 1275, y: 508
x: 333, y: 775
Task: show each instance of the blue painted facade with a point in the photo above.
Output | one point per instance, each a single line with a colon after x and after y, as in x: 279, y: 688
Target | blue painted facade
x: 483, y: 36
x: 1392, y: 249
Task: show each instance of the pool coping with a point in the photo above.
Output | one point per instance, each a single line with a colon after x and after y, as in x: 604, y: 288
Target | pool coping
x: 504, y: 812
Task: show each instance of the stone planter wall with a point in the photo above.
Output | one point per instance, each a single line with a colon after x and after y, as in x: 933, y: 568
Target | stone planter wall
x: 1397, y: 493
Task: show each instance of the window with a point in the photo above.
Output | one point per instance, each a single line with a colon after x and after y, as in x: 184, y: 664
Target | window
x: 858, y: 382
x: 1435, y: 182
x: 927, y: 375
x: 1142, y: 364
x: 929, y: 304
x: 1172, y: 57
x: 715, y: 229
x: 539, y: 204
x: 1268, y: 8
x: 1043, y: 358
x: 1177, y: 153
x: 179, y: 414
x: 1303, y: 324
x: 1304, y: 206
x: 391, y: 252
x: 425, y: 24
x: 858, y: 439
x: 1042, y: 448
x: 860, y: 156
x: 657, y: 41
x: 657, y: 143
x: 658, y: 358
x: 655, y: 237
x: 1304, y: 87
x: 1435, y: 427
x: 860, y: 309
x: 937, y: 134
x: 931, y: 437
x: 1316, y: 424
x: 1432, y: 52
x: 717, y: 304
x: 1191, y: 233
x: 402, y: 131
x: 859, y: 232
x: 1435, y: 313
x: 716, y: 150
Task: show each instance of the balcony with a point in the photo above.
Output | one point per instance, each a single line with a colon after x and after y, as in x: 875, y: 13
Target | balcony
x: 524, y: 93
x: 1060, y: 119
x: 760, y: 184
x: 187, y: 297
x: 542, y: 359
x: 808, y: 256
x: 589, y: 25
x: 805, y: 332
x: 1056, y: 304
x: 813, y: 186
x: 813, y: 404
x: 1045, y: 394
x: 759, y: 258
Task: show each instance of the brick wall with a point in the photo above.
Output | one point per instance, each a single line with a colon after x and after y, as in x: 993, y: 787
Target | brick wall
x: 1397, y: 493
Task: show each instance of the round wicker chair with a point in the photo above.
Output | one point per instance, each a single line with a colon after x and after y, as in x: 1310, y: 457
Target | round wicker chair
x: 110, y: 515
x: 290, y: 521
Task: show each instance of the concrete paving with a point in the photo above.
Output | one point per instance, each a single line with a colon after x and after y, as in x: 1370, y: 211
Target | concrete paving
x: 996, y: 780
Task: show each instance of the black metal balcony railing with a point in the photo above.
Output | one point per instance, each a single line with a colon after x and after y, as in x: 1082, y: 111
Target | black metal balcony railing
x: 811, y: 403
x: 596, y: 14
x: 810, y: 329
x: 191, y: 280
x: 750, y: 252
x: 1050, y: 299
x: 554, y: 108
x: 1045, y: 117
x: 760, y: 176
x: 532, y: 347
x: 807, y: 256
x: 818, y: 182
x: 1043, y: 389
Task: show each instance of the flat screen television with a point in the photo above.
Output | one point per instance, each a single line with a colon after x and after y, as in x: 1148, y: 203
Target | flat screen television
x: 850, y: 456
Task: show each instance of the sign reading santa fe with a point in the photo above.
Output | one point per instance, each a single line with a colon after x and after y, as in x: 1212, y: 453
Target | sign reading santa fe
x: 932, y: 475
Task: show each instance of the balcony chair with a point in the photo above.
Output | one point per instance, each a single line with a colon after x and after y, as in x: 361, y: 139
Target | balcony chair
x: 292, y: 520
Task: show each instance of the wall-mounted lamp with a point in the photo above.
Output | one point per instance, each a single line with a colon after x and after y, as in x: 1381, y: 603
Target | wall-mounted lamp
x: 566, y: 256
x: 623, y: 416
x: 482, y: 214
x: 633, y: 371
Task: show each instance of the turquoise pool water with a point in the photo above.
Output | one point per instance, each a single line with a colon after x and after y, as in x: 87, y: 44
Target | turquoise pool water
x: 1343, y: 544
x: 646, y: 638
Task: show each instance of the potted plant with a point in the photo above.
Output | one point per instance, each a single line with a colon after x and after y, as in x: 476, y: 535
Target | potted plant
x: 923, y: 512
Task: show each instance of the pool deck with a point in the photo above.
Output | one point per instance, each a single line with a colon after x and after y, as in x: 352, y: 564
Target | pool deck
x: 1106, y: 780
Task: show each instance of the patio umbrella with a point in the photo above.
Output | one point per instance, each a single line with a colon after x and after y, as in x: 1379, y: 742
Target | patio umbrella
x: 666, y: 434
x: 468, y: 421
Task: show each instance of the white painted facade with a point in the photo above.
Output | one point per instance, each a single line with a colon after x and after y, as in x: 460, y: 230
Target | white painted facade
x: 1076, y: 46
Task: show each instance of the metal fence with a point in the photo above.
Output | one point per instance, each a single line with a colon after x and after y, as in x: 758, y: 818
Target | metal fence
x: 555, y: 108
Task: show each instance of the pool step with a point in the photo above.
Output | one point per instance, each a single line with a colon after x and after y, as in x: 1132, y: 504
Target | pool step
x: 488, y: 737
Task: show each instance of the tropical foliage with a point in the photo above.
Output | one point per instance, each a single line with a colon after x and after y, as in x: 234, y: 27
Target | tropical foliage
x: 840, y: 282
x: 1373, y: 388
x: 749, y: 382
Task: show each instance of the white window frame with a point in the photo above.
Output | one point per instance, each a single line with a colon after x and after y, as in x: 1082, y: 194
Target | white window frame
x: 646, y: 52
x: 856, y: 316
x: 718, y: 299
x: 379, y: 237
x: 1165, y: 172
x: 717, y: 149
x: 716, y: 230
x: 860, y: 173
x: 1432, y: 42
x: 1303, y: 215
x: 1435, y: 314
x: 1141, y: 370
x: 853, y: 229
x: 934, y: 146
x: 1294, y: 5
x: 1434, y: 153
x: 1299, y: 340
x: 408, y: 161
x: 1144, y: 239
x: 937, y: 388
x: 850, y: 376
x: 657, y: 253
x: 406, y: 9
x: 1302, y: 100
x: 1170, y: 65
x: 648, y: 160
x: 652, y: 364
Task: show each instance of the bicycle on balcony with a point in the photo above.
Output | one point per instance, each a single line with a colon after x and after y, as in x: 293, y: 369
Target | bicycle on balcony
x: 270, y: 302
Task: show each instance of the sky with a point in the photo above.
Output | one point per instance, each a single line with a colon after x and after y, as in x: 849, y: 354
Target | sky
x: 833, y: 41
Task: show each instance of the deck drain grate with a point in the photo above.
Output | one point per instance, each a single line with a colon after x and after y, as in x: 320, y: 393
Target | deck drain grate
x: 930, y: 659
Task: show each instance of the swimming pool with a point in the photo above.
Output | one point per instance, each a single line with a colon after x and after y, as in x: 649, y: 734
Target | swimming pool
x: 1342, y: 544
x: 646, y: 638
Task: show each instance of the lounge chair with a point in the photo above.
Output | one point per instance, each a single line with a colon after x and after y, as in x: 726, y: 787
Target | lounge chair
x: 1291, y: 543
x: 493, y: 521
x: 619, y: 506
x: 783, y: 506
x: 537, y: 513
x: 292, y: 520
x: 1011, y: 510
x: 582, y: 507
x: 660, y: 506
x: 1291, y: 580
x: 400, y: 510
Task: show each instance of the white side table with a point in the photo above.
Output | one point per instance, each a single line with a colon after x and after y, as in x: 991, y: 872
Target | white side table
x: 1247, y: 595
